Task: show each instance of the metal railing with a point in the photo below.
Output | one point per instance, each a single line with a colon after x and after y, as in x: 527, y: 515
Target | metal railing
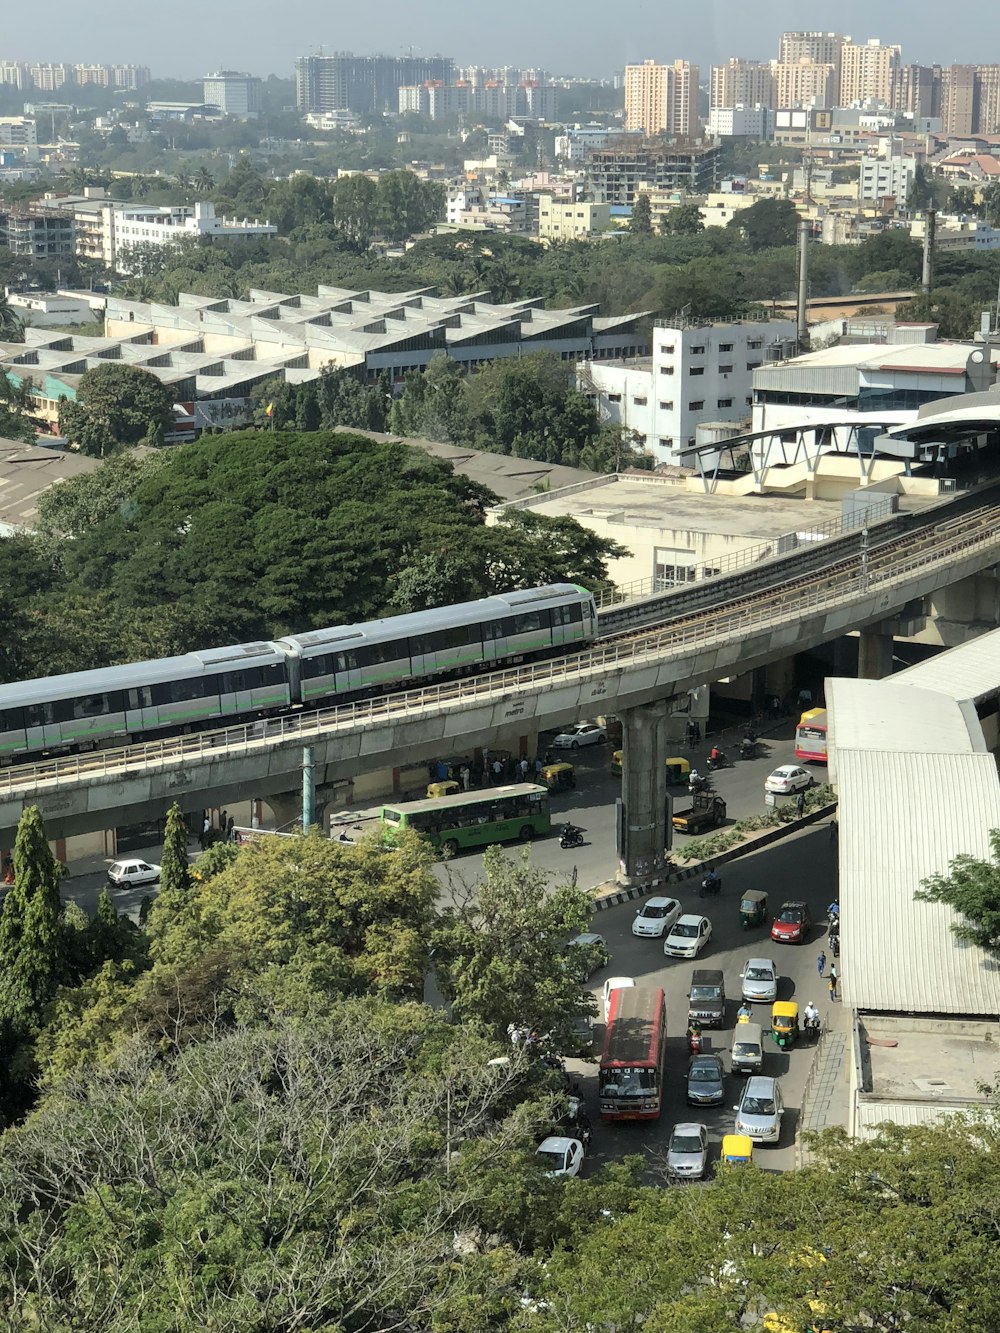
x: 787, y: 544
x: 711, y: 628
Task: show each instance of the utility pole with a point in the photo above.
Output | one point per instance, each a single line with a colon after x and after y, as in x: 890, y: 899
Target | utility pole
x: 308, y: 789
x: 930, y: 227
x: 802, y: 329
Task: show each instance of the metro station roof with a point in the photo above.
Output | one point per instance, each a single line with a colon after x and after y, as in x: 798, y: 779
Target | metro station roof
x: 971, y: 671
x: 917, y: 787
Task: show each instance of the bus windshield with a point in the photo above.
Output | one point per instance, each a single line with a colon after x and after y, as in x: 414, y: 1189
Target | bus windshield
x: 635, y: 1082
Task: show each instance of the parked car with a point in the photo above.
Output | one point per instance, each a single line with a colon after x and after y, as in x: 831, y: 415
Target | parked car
x: 588, y: 953
x: 583, y: 733
x: 759, y: 1110
x: 655, y: 916
x: 760, y: 980
x: 560, y: 1157
x: 687, y: 1151
x: 128, y: 874
x: 791, y: 925
x: 688, y: 936
x: 788, y: 778
x: 706, y: 1080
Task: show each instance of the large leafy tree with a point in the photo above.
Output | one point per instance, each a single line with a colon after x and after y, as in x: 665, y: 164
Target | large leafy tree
x: 972, y: 888
x: 767, y: 224
x: 31, y: 955
x: 116, y: 405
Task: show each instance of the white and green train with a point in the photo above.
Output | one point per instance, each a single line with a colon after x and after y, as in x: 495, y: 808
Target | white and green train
x: 117, y: 705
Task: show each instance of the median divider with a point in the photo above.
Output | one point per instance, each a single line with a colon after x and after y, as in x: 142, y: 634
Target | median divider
x: 609, y: 895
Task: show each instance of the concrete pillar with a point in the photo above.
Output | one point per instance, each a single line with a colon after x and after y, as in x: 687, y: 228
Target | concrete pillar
x: 286, y: 807
x: 644, y: 837
x: 874, y: 653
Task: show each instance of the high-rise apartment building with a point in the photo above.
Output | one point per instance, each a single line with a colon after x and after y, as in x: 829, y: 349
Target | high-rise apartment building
x: 867, y: 72
x: 804, y: 83
x: 970, y: 99
x: 662, y: 99
x: 740, y: 82
x: 14, y: 73
x: 233, y: 93
x: 917, y: 91
x: 367, y: 85
x: 821, y: 48
x: 49, y: 78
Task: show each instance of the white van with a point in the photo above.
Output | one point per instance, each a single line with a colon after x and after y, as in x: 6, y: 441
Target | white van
x: 614, y: 983
x: 748, y: 1052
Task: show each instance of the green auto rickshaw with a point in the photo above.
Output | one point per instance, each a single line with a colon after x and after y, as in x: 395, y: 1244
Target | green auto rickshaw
x: 753, y: 909
x: 559, y: 777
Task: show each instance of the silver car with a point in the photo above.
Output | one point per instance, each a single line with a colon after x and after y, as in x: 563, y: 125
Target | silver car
x: 760, y: 980
x: 687, y: 1151
x: 759, y: 1110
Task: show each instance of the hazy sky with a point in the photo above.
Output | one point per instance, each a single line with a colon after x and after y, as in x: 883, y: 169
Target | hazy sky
x: 594, y: 37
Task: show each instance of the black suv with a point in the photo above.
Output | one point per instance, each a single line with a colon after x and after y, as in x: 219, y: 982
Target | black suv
x: 707, y: 998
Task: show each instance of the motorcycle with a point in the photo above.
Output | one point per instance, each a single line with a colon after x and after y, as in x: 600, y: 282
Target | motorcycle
x: 694, y: 1040
x: 571, y: 836
x: 717, y: 761
x: 697, y: 784
x: 748, y: 748
x: 811, y: 1026
x: 835, y: 945
x: 711, y: 884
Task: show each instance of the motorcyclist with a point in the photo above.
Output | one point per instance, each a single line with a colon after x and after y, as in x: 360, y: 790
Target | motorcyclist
x: 744, y: 1013
x: 711, y: 883
x: 811, y: 1016
x: 694, y: 1036
x: 695, y: 780
x: 833, y: 911
x: 717, y: 756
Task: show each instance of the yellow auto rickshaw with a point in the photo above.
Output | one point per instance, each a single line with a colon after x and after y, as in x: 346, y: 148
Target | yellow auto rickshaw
x: 616, y: 764
x: 559, y: 777
x: 736, y: 1149
x: 753, y: 908
x: 678, y: 769
x: 784, y: 1023
x: 435, y: 790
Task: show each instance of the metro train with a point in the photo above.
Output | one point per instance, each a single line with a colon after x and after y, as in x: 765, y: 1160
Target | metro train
x: 143, y: 700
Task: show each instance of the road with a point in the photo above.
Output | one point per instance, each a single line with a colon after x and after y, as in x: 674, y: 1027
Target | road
x: 802, y: 866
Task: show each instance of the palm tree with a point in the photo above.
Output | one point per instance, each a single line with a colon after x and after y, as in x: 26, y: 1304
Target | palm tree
x: 204, y: 180
x: 184, y: 181
x: 140, y: 187
x: 11, y: 324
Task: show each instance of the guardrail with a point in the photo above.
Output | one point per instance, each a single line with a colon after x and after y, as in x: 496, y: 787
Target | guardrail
x: 735, y: 561
x: 713, y: 628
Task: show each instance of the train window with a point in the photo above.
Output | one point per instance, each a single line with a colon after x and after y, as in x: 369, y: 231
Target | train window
x: 493, y: 629
x: 387, y: 652
x: 528, y: 621
x: 91, y: 705
x: 567, y: 615
x: 180, y: 691
x: 347, y: 661
x: 324, y: 665
x: 40, y: 715
x: 12, y: 719
x: 141, y: 697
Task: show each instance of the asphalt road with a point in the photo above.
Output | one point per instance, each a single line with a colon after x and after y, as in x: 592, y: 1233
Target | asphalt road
x: 802, y: 866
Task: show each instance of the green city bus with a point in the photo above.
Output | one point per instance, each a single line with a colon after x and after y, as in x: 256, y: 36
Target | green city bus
x: 475, y: 818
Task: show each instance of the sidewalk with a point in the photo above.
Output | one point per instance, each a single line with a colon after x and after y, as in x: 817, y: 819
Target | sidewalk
x: 826, y: 1099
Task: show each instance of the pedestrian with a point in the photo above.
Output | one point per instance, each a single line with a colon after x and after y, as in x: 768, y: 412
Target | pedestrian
x: 231, y: 830
x: 538, y: 768
x: 223, y: 823
x: 465, y: 775
x: 497, y: 772
x: 833, y: 972
x: 524, y: 768
x: 206, y: 830
x: 821, y: 962
x: 800, y: 804
x: 833, y: 831
x: 831, y: 985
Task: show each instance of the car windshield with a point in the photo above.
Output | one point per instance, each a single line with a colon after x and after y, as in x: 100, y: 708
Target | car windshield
x: 703, y: 1074
x: 758, y: 1106
x: 685, y: 1143
x: 791, y: 915
x: 759, y: 974
x: 704, y: 992
x: 627, y: 1082
x: 745, y: 1048
x: 554, y: 1161
x: 656, y: 912
x: 685, y: 929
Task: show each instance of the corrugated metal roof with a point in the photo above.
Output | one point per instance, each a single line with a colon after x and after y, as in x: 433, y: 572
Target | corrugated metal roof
x: 870, y: 1115
x: 971, y: 671
x: 883, y: 715
x: 903, y: 817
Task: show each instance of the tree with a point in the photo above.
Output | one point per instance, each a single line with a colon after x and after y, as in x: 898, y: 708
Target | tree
x: 70, y: 510
x: 31, y: 957
x: 683, y: 220
x: 641, y: 222
x: 11, y: 324
x: 499, y: 954
x: 768, y: 224
x: 116, y: 405
x: 204, y: 181
x: 175, y: 873
x: 972, y: 888
x: 14, y: 403
x: 920, y: 195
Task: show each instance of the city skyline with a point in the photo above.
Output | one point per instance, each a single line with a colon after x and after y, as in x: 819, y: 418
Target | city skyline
x: 231, y: 35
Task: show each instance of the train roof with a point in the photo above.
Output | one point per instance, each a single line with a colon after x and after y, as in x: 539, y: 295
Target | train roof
x: 103, y: 680
x: 424, y: 622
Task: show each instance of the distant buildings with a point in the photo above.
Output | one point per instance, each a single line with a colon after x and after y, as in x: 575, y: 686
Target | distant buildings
x: 622, y: 170
x: 49, y: 77
x: 233, y: 94
x: 368, y: 85
x: 662, y: 99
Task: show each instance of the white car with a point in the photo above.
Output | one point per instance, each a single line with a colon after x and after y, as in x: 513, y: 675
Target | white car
x: 594, y: 954
x: 612, y: 984
x: 687, y: 1151
x: 759, y: 1110
x: 787, y: 779
x: 688, y: 936
x: 584, y: 733
x: 561, y: 1157
x: 760, y: 980
x: 655, y: 916
x: 127, y: 874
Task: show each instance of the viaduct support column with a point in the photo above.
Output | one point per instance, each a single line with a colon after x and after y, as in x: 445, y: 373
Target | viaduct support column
x: 874, y: 652
x: 643, y: 835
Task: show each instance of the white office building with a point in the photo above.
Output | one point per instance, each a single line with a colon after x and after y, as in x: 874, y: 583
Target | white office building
x: 886, y: 178
x: 697, y: 374
x: 233, y: 94
x: 733, y: 122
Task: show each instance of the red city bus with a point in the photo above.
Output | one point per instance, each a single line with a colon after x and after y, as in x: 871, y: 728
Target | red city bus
x: 810, y: 737
x: 634, y: 1056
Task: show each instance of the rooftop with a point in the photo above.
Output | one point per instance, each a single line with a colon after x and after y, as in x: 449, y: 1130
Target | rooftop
x: 26, y: 470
